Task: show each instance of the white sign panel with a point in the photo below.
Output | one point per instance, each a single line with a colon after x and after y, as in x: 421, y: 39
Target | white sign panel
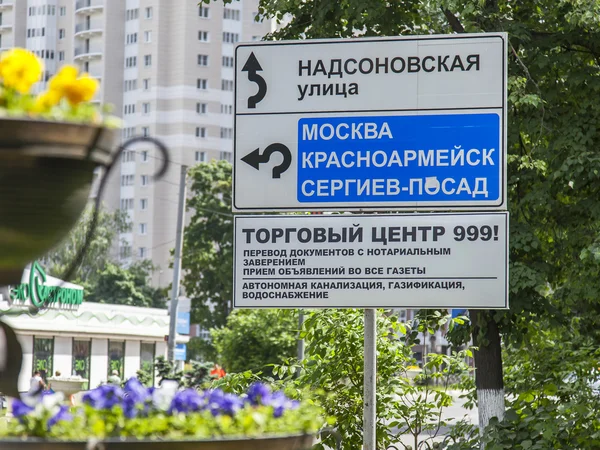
x: 370, y: 261
x: 364, y: 124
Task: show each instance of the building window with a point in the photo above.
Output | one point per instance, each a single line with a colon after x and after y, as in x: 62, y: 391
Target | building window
x: 203, y: 60
x: 147, y: 60
x: 63, y: 10
x: 231, y: 14
x: 128, y: 132
x: 145, y: 131
x: 128, y: 156
x: 226, y: 133
x: 144, y: 179
x: 131, y: 38
x: 201, y: 108
x: 203, y: 36
x: 61, y: 33
x: 143, y: 204
x: 116, y: 357
x: 147, y: 354
x: 126, y: 203
x: 142, y: 253
x: 230, y: 38
x: 129, y: 109
x: 225, y: 156
x: 146, y: 108
x: 61, y: 56
x: 227, y: 85
x: 43, y: 356
x: 202, y: 83
x: 127, y: 180
x: 124, y: 251
x: 81, y: 360
x: 226, y: 109
x: 227, y: 61
x: 144, y: 155
x: 203, y: 12
x: 149, y: 12
x: 146, y: 84
x: 200, y: 157
x: 200, y: 132
x: 147, y: 36
x: 132, y: 14
x: 131, y: 61
x: 143, y: 228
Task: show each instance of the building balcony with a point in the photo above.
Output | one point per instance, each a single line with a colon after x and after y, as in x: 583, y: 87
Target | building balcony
x: 4, y: 27
x: 5, y: 4
x: 88, y: 6
x: 87, y: 29
x: 86, y: 54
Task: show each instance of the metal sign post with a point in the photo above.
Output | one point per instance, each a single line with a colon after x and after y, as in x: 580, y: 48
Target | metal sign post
x: 370, y: 381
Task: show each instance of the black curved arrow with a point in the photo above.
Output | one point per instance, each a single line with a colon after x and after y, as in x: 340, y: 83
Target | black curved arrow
x: 255, y: 158
x: 252, y: 66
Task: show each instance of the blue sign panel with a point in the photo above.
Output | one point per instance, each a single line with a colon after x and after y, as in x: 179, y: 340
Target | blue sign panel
x: 180, y: 352
x: 183, y: 322
x: 423, y: 159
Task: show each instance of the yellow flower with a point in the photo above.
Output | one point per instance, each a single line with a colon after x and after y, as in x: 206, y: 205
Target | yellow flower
x: 20, y: 69
x: 45, y: 101
x: 75, y: 90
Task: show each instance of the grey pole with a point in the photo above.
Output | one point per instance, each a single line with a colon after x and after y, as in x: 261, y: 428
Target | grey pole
x: 300, y: 340
x: 177, y: 266
x: 370, y: 379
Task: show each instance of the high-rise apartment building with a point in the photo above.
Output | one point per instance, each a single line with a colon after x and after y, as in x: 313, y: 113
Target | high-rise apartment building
x: 166, y: 66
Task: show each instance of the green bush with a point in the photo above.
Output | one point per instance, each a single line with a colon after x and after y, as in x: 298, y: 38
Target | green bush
x: 254, y: 338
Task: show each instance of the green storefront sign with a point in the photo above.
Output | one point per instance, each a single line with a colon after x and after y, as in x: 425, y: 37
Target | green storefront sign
x: 43, y: 296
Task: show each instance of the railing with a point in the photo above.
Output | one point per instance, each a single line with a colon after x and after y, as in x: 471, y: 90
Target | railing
x: 87, y: 27
x: 88, y: 4
x: 86, y: 51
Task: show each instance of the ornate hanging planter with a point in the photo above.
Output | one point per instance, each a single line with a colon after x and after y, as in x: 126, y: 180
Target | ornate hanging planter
x: 46, y: 173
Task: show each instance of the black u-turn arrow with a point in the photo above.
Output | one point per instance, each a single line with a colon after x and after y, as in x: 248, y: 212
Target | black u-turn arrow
x: 252, y: 67
x: 255, y: 158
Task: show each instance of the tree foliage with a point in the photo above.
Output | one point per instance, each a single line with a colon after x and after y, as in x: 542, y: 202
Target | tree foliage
x: 126, y: 286
x: 108, y: 227
x: 208, y: 244
x: 103, y: 279
x: 253, y: 339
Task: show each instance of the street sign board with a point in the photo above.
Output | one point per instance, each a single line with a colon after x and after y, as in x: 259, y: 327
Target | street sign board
x: 413, y: 123
x: 422, y: 260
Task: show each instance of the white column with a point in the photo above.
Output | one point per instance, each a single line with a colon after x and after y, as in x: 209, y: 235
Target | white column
x: 27, y: 367
x: 63, y: 355
x: 132, y: 358
x: 99, y: 362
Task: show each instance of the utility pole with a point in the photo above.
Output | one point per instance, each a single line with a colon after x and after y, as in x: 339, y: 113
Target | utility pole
x: 177, y: 266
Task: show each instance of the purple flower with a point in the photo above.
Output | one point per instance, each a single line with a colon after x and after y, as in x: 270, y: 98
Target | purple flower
x: 188, y: 400
x: 230, y: 404
x: 281, y: 403
x: 62, y: 414
x: 218, y: 402
x: 135, y: 398
x: 104, y: 397
x: 20, y: 409
x: 259, y: 394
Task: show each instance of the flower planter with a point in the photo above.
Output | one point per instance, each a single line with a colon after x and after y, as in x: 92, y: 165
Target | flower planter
x: 67, y: 386
x: 299, y: 442
x: 46, y: 173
